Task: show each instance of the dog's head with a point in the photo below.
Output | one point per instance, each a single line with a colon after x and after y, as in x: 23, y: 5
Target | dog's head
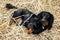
x: 44, y: 17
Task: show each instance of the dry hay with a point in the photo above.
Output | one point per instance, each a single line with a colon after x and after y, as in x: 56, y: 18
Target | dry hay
x: 19, y: 32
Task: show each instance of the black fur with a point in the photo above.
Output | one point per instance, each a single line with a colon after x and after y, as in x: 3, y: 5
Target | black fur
x: 49, y: 17
x: 10, y: 6
x: 34, y: 24
x: 21, y: 12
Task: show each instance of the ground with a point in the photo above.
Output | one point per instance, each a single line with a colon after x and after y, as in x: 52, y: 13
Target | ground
x: 20, y: 32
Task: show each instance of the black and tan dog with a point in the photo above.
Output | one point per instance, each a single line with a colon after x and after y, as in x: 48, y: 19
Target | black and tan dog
x: 46, y: 18
x: 31, y: 21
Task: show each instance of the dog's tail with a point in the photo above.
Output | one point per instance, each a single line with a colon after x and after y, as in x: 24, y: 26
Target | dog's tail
x: 10, y: 6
